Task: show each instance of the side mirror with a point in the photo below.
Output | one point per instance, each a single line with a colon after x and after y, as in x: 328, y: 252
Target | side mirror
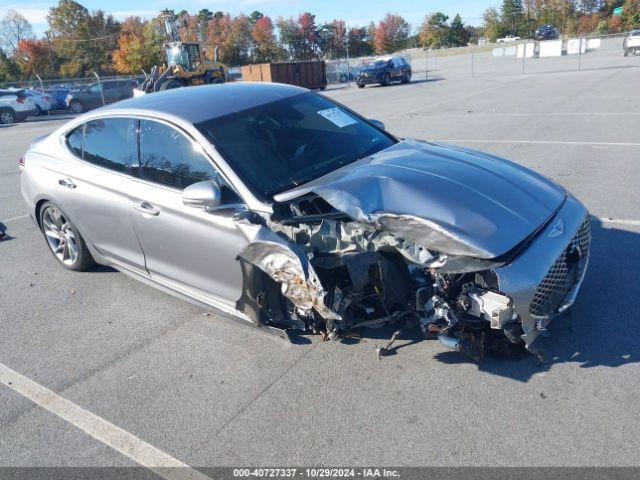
x: 206, y: 195
x: 377, y: 123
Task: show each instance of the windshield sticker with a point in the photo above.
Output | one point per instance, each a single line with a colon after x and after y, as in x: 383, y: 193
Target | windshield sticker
x: 337, y: 117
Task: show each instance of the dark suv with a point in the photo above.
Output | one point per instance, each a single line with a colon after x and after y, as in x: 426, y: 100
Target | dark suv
x: 546, y: 32
x: 384, y: 71
x: 91, y: 97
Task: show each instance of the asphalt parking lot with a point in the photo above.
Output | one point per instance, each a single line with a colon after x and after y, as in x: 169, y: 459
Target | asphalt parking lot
x: 211, y: 392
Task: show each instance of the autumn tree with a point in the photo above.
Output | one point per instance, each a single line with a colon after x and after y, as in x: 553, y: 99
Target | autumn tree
x: 139, y: 46
x: 266, y: 46
x: 493, y: 28
x: 308, y: 37
x: 360, y: 42
x: 631, y: 14
x: 289, y: 34
x: 391, y: 34
x: 14, y: 28
x: 32, y: 57
x: 84, y: 40
x: 434, y: 31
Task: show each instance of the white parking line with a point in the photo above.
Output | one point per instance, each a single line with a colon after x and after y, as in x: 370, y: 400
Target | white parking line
x: 620, y: 221
x: 19, y: 217
x: 544, y: 142
x: 443, y: 102
x: 124, y: 442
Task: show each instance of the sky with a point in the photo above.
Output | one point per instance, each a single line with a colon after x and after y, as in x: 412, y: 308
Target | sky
x: 354, y: 12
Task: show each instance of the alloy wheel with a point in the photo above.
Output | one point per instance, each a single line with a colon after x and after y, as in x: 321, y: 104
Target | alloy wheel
x: 60, y: 235
x: 6, y: 117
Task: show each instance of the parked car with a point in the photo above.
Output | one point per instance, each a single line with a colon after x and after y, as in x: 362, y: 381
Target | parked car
x: 288, y: 211
x: 41, y: 100
x: 631, y: 43
x: 15, y: 106
x: 508, y: 39
x: 384, y: 71
x: 546, y: 32
x: 58, y: 97
x: 92, y: 96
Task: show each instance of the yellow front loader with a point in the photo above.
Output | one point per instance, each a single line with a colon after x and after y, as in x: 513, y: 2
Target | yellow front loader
x: 186, y: 64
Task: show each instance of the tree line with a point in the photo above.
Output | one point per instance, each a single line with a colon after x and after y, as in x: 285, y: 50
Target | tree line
x: 570, y: 17
x: 79, y: 41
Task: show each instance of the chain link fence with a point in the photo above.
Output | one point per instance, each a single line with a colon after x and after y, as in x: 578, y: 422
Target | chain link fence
x: 566, y: 54
x: 36, y: 83
x: 579, y: 53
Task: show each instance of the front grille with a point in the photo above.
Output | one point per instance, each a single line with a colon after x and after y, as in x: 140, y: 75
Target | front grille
x: 563, y: 274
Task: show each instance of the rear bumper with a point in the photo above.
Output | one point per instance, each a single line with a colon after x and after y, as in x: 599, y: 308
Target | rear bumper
x: 544, y: 280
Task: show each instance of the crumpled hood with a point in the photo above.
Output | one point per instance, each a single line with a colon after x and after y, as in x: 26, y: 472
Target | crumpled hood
x: 448, y: 199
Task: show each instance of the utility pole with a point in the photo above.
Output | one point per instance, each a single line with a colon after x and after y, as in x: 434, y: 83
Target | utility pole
x: 53, y: 67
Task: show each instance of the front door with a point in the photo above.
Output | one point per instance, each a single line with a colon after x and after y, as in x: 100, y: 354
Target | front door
x: 184, y: 247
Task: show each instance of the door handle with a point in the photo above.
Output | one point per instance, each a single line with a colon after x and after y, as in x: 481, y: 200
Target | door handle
x: 146, y: 208
x: 67, y: 182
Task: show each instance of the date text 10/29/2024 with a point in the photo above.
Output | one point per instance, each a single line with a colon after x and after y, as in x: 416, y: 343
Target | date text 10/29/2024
x: 316, y: 472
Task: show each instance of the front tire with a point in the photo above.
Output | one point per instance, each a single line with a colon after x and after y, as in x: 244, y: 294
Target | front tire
x: 64, y: 241
x: 7, y: 117
x: 387, y: 79
x: 170, y: 84
x: 407, y: 77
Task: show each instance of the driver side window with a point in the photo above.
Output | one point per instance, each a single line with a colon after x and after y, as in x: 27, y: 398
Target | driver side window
x: 170, y: 158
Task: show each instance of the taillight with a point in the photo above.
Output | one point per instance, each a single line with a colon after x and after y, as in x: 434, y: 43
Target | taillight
x: 21, y: 99
x: 21, y: 164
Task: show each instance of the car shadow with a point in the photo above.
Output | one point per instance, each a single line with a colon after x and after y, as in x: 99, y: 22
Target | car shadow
x: 599, y: 330
x: 414, y: 81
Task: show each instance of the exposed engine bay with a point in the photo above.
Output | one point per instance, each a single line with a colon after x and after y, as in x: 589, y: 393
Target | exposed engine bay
x: 410, y: 237
x: 337, y: 275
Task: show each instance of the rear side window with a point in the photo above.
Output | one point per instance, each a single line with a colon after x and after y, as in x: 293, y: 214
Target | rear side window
x: 169, y: 158
x: 111, y: 143
x: 75, y: 140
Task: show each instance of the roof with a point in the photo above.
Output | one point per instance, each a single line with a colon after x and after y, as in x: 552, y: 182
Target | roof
x: 197, y: 104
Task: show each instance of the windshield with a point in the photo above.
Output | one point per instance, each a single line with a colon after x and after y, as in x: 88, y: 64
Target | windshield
x: 377, y: 63
x: 177, y: 55
x: 279, y: 145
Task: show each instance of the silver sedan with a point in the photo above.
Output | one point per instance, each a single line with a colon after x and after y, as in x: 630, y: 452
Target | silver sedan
x: 291, y: 212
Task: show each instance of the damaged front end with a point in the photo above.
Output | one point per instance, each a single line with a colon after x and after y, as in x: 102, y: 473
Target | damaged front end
x: 358, y: 252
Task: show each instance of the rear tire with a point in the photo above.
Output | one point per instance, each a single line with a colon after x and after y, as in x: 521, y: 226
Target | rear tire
x: 170, y: 84
x: 63, y: 239
x: 76, y: 107
x: 7, y: 116
x: 360, y: 85
x: 38, y: 110
x: 387, y: 79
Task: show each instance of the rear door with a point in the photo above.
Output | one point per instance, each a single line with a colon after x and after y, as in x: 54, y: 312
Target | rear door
x: 187, y: 248
x: 110, y: 90
x: 95, y: 187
